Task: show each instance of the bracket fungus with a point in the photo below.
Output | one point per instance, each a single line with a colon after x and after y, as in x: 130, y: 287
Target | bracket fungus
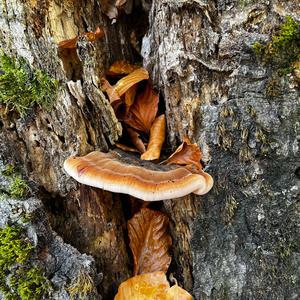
x: 120, y: 172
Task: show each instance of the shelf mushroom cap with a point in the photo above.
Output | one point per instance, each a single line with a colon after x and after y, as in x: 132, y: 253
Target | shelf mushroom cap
x: 120, y: 172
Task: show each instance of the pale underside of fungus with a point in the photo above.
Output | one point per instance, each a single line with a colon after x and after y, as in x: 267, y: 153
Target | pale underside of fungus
x: 120, y: 172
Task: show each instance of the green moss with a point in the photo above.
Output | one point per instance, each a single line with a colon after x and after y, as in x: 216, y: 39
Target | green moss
x: 8, y: 171
x: 284, y: 47
x: 18, y: 187
x: 258, y: 48
x: 19, y: 280
x: 30, y: 284
x: 22, y: 87
x: 13, y: 247
x: 289, y: 33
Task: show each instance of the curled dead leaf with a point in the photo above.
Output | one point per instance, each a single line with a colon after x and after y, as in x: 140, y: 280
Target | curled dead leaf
x: 151, y: 286
x: 157, y: 138
x: 149, y: 241
x: 129, y: 97
x: 114, y: 99
x: 91, y: 36
x: 121, y: 67
x: 135, y: 139
x: 186, y: 154
x: 109, y: 90
x: 143, y: 111
x: 131, y: 79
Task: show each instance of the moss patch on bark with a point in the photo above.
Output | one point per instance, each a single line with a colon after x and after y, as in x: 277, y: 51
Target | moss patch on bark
x: 22, y: 87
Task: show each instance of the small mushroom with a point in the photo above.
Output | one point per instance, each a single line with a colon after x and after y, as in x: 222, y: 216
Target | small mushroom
x: 120, y: 172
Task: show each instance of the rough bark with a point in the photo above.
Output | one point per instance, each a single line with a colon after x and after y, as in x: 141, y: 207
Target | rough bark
x: 66, y: 267
x: 82, y: 120
x: 245, y: 239
x: 239, y: 242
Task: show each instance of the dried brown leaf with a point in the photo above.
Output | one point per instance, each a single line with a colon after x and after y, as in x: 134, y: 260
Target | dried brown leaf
x: 109, y: 90
x: 157, y: 138
x: 186, y: 154
x: 129, y: 97
x: 91, y: 36
x: 68, y: 44
x: 121, y: 67
x: 135, y: 139
x: 131, y: 79
x: 152, y: 286
x: 143, y: 111
x: 149, y: 241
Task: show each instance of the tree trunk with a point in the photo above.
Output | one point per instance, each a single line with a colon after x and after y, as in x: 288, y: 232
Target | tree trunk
x: 242, y: 240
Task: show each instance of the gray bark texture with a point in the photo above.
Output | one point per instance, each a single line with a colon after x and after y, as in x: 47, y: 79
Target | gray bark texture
x: 243, y: 241
x: 62, y: 263
x: 240, y: 241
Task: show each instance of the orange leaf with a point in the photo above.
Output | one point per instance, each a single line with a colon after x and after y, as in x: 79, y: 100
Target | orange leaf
x: 178, y: 293
x: 186, y: 154
x: 68, y: 44
x: 117, y: 104
x: 135, y: 139
x: 109, y: 90
x: 121, y: 67
x: 99, y: 33
x: 157, y: 138
x: 131, y: 79
x: 153, y: 286
x: 91, y: 36
x: 149, y: 241
x: 129, y: 97
x: 143, y: 111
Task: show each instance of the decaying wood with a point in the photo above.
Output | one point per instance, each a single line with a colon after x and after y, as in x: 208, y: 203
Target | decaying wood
x: 95, y: 225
